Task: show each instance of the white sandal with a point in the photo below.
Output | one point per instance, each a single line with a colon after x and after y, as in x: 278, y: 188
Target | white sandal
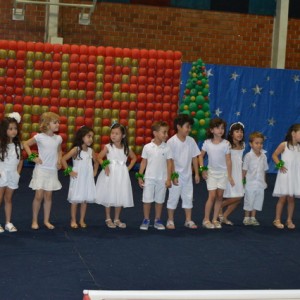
x: 10, y: 227
x: 170, y: 225
x: 119, y: 224
x: 1, y: 229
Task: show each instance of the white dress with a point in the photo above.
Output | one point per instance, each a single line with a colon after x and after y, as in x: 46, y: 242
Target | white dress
x: 115, y: 190
x: 83, y: 188
x: 8, y: 168
x: 237, y: 190
x: 288, y: 184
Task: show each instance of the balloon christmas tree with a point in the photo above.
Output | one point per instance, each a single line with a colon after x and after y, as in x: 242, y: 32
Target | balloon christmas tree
x: 196, y: 101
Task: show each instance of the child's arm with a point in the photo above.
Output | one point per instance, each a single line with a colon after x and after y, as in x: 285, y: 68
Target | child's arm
x: 169, y: 172
x: 143, y: 166
x: 101, y: 155
x: 66, y: 157
x: 20, y: 165
x: 196, y: 169
x: 59, y: 156
x: 229, y: 168
x: 132, y: 156
x: 201, y: 164
x: 244, y: 174
x: 175, y: 179
x: 96, y: 163
x: 27, y: 144
x: 275, y: 156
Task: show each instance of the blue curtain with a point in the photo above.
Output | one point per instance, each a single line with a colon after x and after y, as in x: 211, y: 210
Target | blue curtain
x: 265, y: 100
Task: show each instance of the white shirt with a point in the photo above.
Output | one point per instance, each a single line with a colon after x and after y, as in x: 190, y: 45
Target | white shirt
x: 216, y: 154
x: 256, y: 166
x: 47, y: 148
x: 157, y: 157
x: 183, y: 153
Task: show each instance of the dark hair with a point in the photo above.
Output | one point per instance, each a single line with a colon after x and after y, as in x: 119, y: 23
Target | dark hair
x: 234, y: 127
x: 288, y: 137
x: 216, y: 122
x: 80, y: 134
x: 124, y: 141
x: 181, y: 119
x: 254, y: 135
x: 5, y: 140
x: 158, y: 124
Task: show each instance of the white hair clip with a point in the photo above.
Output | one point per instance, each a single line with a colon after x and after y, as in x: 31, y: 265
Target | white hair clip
x: 16, y: 116
x: 236, y: 124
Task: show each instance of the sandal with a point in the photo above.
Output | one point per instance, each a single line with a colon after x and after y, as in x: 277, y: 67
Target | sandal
x: 83, y: 225
x: 10, y: 227
x: 170, y: 225
x: 221, y: 218
x: 207, y: 225
x: 35, y: 226
x: 290, y: 225
x: 109, y: 223
x: 217, y: 224
x: 190, y: 224
x: 74, y: 225
x: 119, y: 224
x: 278, y: 224
x: 226, y: 222
x: 1, y: 229
x: 49, y: 226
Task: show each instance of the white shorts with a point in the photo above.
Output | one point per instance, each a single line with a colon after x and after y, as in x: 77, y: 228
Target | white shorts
x: 154, y: 191
x: 185, y: 191
x: 216, y: 180
x: 9, y: 179
x: 254, y: 199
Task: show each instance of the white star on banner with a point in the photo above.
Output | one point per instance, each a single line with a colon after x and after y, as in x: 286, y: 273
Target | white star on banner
x: 296, y: 78
x: 257, y: 89
x: 244, y: 91
x: 272, y: 93
x: 209, y: 73
x: 253, y: 104
x: 238, y: 113
x: 271, y: 121
x: 218, y: 112
x: 268, y: 78
x: 234, y: 76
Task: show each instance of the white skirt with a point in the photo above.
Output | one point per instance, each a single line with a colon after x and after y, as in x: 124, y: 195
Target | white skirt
x: 44, y: 179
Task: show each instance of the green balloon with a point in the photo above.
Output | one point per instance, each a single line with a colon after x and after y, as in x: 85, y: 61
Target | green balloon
x: 193, y: 92
x: 205, y: 107
x: 202, y: 134
x: 200, y: 99
x: 205, y: 92
x: 200, y: 114
x: 187, y: 100
x: 193, y: 106
x: 181, y: 107
x: 186, y: 112
x: 189, y: 85
x: 204, y: 81
x: 196, y: 124
x: 207, y: 120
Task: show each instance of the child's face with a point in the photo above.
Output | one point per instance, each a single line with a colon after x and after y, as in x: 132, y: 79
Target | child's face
x: 296, y: 136
x: 185, y: 129
x: 88, y: 139
x: 218, y: 132
x: 54, y: 126
x: 257, y: 145
x: 116, y: 135
x: 12, y: 130
x: 237, y: 135
x: 161, y: 135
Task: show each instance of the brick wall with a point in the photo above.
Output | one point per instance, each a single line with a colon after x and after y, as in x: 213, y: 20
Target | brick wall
x: 216, y: 37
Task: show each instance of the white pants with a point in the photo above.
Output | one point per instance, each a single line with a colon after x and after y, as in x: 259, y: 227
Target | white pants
x: 254, y: 199
x: 185, y: 191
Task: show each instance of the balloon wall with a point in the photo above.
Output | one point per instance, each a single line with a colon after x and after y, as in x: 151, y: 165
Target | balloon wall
x: 88, y: 85
x: 196, y: 100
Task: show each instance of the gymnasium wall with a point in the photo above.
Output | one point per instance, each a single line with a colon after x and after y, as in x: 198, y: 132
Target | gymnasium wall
x: 216, y: 37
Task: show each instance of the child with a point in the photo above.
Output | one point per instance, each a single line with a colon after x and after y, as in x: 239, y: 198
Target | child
x: 157, y: 160
x: 287, y: 185
x: 185, y: 152
x: 218, y: 171
x: 113, y: 187
x: 233, y: 194
x: 82, y: 183
x: 254, y: 172
x: 45, y: 178
x: 10, y: 164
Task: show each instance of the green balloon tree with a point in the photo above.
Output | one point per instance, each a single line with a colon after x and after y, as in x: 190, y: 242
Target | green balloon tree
x: 196, y: 101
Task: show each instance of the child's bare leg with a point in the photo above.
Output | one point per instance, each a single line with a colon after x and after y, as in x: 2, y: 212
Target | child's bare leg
x: 117, y: 213
x: 36, y: 205
x: 209, y: 204
x: 188, y: 214
x: 218, y: 203
x: 231, y: 207
x: 290, y: 209
x: 171, y: 214
x: 253, y: 213
x: 146, y: 209
x: 83, y: 207
x: 73, y: 215
x: 47, y: 209
x: 158, y: 210
x: 279, y: 207
x: 8, y: 204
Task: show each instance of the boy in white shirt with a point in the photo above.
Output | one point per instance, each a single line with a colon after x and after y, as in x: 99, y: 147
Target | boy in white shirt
x: 254, y: 171
x: 184, y: 151
x: 157, y: 160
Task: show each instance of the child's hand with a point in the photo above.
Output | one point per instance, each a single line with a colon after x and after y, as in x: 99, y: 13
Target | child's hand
x: 168, y: 183
x: 106, y: 171
x: 73, y: 174
x: 175, y: 181
x: 231, y: 181
x: 283, y: 169
x: 58, y: 165
x: 204, y: 175
x: 37, y: 160
x: 95, y: 173
x: 197, y: 178
x: 141, y: 182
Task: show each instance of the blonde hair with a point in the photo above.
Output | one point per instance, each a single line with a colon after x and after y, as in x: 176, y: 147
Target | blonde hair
x: 254, y: 135
x: 158, y: 124
x: 45, y: 120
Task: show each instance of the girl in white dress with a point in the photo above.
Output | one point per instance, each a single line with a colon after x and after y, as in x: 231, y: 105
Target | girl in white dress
x: 234, y: 194
x: 82, y: 189
x: 47, y: 163
x: 11, y: 163
x: 113, y: 187
x: 287, y: 185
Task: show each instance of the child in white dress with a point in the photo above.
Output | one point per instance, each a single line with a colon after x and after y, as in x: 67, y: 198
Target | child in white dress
x: 233, y: 194
x: 11, y: 163
x: 47, y: 163
x: 82, y: 189
x: 287, y: 185
x: 255, y: 166
x: 218, y: 171
x: 113, y: 187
